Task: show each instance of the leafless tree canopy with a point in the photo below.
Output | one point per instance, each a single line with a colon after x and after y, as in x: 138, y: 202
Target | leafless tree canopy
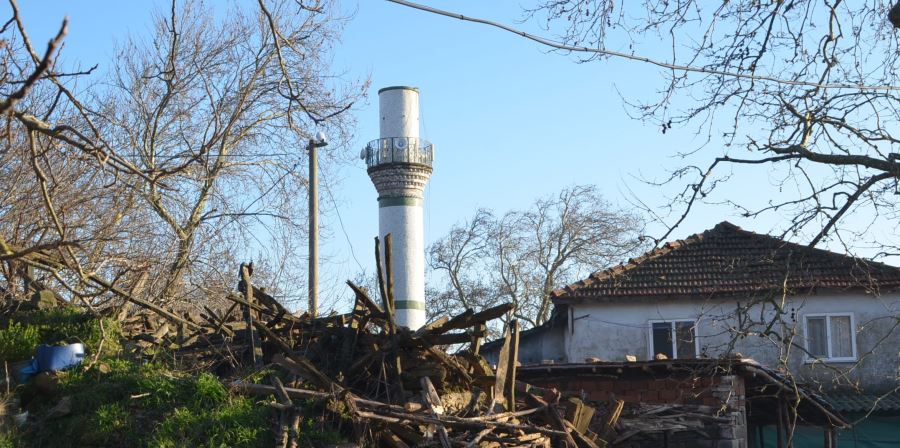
x: 523, y: 255
x: 806, y: 88
x: 150, y: 178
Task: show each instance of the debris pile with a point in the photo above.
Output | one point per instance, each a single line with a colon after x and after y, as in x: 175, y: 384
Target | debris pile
x: 379, y: 384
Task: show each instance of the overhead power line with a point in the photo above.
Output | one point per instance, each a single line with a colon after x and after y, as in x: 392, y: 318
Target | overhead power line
x: 633, y: 57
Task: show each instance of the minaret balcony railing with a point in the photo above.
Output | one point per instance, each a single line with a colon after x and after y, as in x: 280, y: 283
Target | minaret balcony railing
x: 398, y: 150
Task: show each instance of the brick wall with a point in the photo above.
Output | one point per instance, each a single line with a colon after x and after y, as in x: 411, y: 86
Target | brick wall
x: 696, y: 391
x: 724, y: 393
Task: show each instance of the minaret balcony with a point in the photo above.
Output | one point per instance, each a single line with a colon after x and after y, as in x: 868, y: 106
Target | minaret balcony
x: 394, y: 150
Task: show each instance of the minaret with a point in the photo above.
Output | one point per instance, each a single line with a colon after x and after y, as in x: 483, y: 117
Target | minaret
x: 399, y: 164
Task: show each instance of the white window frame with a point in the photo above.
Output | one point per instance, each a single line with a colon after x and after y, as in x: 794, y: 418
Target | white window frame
x: 650, y: 352
x: 809, y: 357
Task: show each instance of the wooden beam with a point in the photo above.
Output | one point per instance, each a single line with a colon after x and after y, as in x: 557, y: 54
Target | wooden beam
x: 512, y: 361
x: 250, y: 315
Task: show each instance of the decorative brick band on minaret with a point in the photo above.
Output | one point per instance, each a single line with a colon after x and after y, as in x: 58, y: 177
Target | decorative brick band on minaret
x: 399, y: 166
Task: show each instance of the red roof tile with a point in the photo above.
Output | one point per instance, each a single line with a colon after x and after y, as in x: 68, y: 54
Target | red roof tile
x: 728, y: 260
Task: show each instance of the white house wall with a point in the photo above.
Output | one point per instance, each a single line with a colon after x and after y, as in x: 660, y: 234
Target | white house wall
x: 610, y: 331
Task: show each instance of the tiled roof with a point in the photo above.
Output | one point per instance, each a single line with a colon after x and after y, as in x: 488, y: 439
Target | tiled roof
x: 729, y: 260
x: 855, y: 402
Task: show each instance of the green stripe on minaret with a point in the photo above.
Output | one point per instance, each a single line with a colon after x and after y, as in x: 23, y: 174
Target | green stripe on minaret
x: 399, y: 202
x: 409, y: 305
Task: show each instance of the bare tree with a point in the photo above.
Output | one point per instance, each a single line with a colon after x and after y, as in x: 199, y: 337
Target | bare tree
x: 806, y: 89
x: 522, y: 256
x: 216, y: 114
x: 150, y: 183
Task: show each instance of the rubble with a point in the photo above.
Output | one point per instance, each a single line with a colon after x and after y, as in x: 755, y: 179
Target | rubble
x: 381, y: 384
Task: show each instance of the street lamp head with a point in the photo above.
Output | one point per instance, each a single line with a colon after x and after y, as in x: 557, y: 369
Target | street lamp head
x: 320, y: 140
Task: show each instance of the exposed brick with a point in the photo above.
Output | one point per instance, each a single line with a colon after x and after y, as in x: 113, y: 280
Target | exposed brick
x: 605, y: 384
x: 668, y: 395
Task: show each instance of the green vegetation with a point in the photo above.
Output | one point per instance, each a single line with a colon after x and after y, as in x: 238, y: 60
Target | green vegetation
x: 18, y: 342
x: 121, y: 401
x: 26, y: 330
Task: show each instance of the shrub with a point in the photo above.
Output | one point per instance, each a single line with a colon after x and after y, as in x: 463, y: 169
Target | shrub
x: 18, y: 342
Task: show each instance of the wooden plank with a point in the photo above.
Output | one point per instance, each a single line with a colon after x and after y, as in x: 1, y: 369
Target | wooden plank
x: 555, y: 419
x: 475, y: 347
x: 361, y: 295
x: 381, y: 283
x: 431, y: 326
x: 578, y: 413
x: 609, y: 424
x: 389, y: 271
x: 502, y: 365
x: 433, y: 400
x: 391, y: 440
x: 392, y: 313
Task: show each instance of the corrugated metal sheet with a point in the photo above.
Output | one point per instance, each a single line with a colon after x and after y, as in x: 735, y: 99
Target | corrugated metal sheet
x: 856, y: 402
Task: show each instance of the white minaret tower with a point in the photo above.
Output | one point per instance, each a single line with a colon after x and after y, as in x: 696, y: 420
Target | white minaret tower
x: 399, y: 165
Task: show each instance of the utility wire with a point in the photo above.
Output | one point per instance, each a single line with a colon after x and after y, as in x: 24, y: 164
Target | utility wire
x: 632, y: 57
x: 337, y: 210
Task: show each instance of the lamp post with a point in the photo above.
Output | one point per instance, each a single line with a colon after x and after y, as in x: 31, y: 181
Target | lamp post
x: 312, y: 148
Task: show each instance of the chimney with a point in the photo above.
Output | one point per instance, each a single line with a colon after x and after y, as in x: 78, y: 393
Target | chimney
x: 399, y: 164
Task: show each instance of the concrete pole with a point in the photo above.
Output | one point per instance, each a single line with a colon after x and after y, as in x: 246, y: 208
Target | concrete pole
x: 313, y: 228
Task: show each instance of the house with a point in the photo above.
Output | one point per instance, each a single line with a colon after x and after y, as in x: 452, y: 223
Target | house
x: 826, y: 320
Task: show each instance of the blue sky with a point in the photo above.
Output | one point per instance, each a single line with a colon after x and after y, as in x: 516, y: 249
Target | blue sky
x: 511, y: 121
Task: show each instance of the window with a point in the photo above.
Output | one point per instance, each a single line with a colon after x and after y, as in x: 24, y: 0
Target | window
x: 830, y: 337
x: 675, y: 339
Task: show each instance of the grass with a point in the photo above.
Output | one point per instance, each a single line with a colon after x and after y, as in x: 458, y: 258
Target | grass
x: 124, y: 401
x: 168, y: 409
